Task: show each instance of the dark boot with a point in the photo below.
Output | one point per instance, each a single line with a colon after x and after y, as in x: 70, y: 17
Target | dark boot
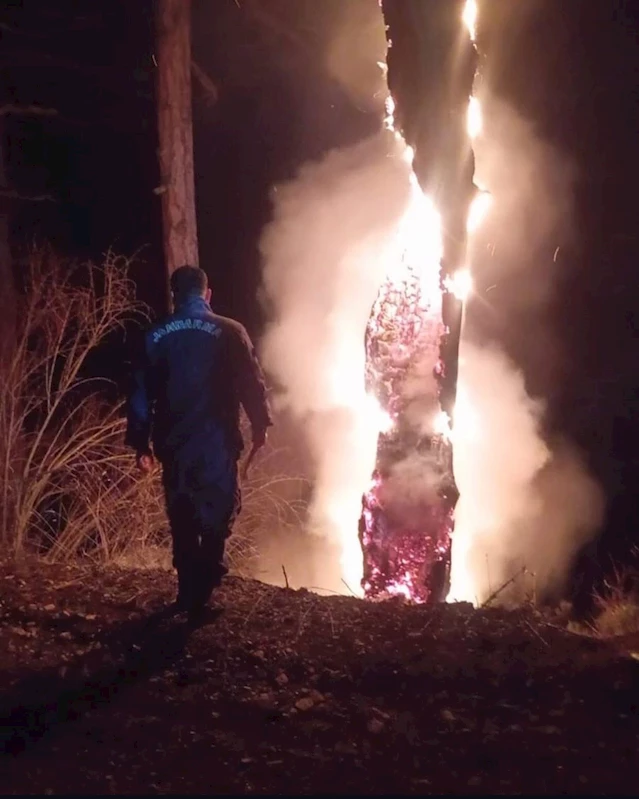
x: 184, y: 599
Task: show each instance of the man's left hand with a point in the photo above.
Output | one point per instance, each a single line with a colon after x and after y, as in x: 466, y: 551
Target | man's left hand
x: 145, y: 462
x: 259, y: 439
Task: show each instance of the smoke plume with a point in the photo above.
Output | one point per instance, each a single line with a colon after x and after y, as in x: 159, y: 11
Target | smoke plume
x: 325, y: 254
x: 527, y: 504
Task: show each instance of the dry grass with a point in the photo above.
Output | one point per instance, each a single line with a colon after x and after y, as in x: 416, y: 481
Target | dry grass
x: 61, y: 458
x: 618, y: 605
x: 272, y: 501
x: 68, y: 486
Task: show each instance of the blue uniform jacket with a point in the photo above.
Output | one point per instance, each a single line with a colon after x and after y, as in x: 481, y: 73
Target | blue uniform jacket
x: 197, y: 369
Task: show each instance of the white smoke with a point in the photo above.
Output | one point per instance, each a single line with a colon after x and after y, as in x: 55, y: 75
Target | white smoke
x: 332, y: 240
x: 527, y: 506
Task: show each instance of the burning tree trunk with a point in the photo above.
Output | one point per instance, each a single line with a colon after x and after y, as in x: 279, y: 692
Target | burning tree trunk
x: 431, y: 69
x: 406, y: 542
x: 175, y: 129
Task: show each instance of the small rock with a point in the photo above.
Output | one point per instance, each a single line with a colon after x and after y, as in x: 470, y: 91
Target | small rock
x: 317, y: 697
x: 474, y: 781
x: 266, y: 701
x: 66, y: 636
x: 281, y: 679
x: 447, y: 715
x: 490, y: 729
x: 305, y: 703
x: 375, y: 726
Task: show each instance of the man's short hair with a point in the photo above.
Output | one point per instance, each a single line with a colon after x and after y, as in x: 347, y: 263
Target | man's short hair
x: 188, y: 280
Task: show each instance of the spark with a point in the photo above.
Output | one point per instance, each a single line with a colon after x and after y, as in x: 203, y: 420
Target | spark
x: 469, y: 18
x: 474, y: 123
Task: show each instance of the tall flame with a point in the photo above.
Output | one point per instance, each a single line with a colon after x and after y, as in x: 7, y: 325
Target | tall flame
x: 474, y: 120
x: 466, y: 423
x: 469, y: 18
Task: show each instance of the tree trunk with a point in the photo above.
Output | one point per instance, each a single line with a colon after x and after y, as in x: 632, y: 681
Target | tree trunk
x: 175, y: 128
x: 8, y: 293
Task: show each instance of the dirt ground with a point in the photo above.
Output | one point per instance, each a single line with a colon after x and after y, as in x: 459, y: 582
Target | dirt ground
x: 287, y: 692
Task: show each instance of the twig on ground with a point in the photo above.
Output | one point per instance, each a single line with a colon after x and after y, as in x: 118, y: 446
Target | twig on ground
x: 535, y: 632
x: 349, y: 588
x: 500, y: 590
x: 285, y: 576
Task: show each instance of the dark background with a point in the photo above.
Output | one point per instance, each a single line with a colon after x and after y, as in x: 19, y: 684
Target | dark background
x: 570, y: 67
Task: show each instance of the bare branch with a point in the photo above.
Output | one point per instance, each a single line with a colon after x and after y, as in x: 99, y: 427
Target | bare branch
x: 27, y: 110
x: 206, y: 83
x: 12, y: 194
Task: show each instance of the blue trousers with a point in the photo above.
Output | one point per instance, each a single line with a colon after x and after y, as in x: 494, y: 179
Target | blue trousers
x: 203, y: 500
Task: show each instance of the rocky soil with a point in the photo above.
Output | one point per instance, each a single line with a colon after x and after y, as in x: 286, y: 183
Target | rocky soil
x: 288, y: 692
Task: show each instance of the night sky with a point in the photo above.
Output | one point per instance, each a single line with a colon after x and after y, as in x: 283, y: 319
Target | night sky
x: 570, y: 67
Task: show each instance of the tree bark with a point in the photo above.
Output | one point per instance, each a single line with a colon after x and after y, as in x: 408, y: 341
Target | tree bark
x: 175, y: 129
x: 8, y: 293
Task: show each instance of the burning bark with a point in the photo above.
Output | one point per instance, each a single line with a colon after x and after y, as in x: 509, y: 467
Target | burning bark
x: 431, y: 62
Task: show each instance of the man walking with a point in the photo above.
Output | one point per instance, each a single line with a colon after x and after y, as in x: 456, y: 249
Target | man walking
x: 197, y: 369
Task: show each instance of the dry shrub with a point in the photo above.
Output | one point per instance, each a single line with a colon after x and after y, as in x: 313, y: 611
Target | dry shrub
x: 69, y: 488
x: 58, y: 432
x: 618, y: 605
